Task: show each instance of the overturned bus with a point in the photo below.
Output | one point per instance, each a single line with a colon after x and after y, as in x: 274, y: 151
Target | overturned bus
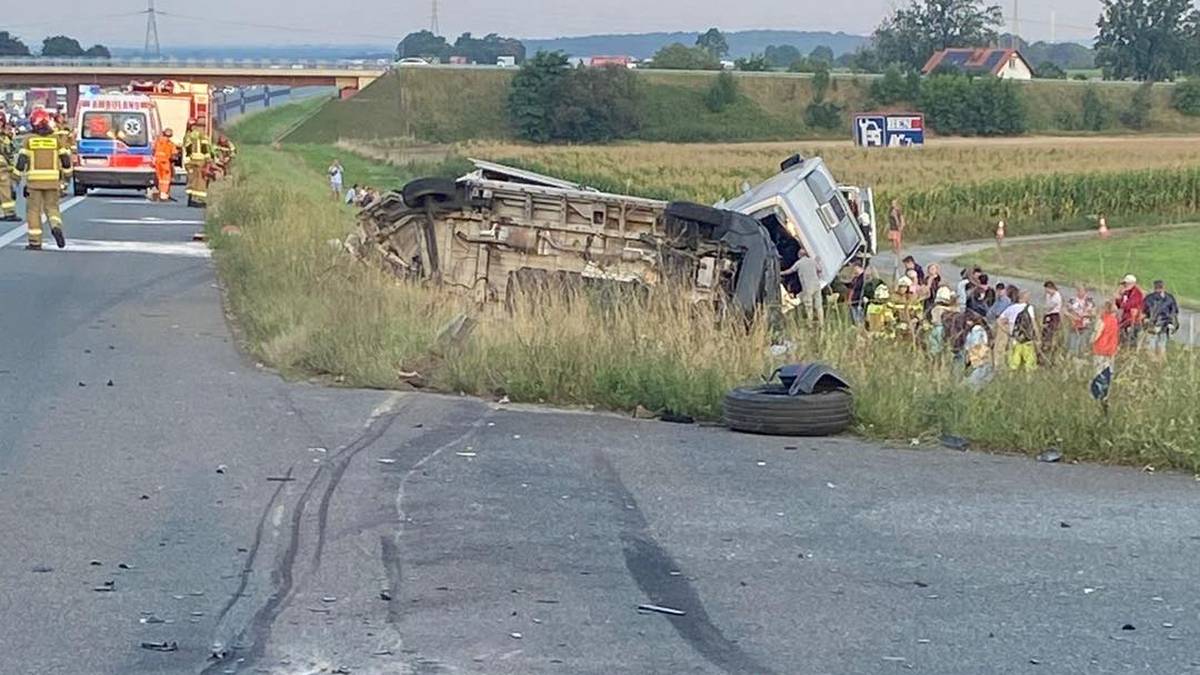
x: 499, y: 229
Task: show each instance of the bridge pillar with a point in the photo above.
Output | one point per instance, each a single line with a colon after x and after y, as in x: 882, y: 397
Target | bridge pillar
x: 72, y: 100
x: 266, y: 96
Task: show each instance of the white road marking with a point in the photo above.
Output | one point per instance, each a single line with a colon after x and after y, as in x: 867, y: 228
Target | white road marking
x: 149, y: 220
x: 22, y: 229
x: 182, y: 249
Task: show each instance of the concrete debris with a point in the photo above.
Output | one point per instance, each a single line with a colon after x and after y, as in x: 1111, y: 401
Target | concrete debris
x: 661, y: 610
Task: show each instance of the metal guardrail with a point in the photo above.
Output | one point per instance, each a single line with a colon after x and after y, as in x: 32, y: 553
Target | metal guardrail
x: 267, y: 64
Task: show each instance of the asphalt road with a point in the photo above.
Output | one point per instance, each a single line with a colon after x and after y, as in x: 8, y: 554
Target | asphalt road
x: 202, y: 501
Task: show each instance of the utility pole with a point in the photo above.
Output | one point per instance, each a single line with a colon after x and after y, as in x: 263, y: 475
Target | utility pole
x: 1053, y: 27
x: 433, y: 19
x: 1016, y: 27
x: 151, y: 30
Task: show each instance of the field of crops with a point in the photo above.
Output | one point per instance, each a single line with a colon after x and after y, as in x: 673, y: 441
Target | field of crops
x: 951, y: 190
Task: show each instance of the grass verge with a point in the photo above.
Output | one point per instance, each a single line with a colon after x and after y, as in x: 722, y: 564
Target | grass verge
x: 1167, y: 254
x: 306, y: 308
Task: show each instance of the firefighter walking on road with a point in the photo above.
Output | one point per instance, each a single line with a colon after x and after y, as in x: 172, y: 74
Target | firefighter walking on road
x: 66, y: 139
x: 44, y: 165
x: 197, y: 150
x: 164, y: 167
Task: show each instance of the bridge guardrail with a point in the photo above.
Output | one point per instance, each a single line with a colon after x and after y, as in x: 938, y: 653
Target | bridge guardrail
x: 266, y: 64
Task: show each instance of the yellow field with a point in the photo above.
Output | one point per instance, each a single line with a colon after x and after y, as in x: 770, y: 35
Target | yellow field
x: 708, y: 172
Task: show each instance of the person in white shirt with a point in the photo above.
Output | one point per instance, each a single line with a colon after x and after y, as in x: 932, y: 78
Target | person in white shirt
x: 352, y: 195
x: 1052, y: 319
x: 335, y: 178
x: 808, y: 271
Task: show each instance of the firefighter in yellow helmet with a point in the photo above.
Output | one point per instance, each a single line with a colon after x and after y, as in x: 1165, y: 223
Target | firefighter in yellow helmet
x: 44, y: 164
x: 197, y: 151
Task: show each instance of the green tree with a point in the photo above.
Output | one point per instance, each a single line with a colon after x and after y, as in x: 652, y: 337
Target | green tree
x: 723, y: 92
x: 61, y: 46
x: 713, y: 42
x: 597, y: 105
x: 488, y: 48
x: 755, y: 63
x: 1050, y: 71
x: 1144, y: 39
x: 98, y: 52
x: 1094, y: 114
x: 782, y: 56
x: 1186, y: 97
x: 535, y: 91
x: 822, y: 53
x: 822, y: 114
x: 895, y: 87
x: 423, y: 44
x: 676, y: 56
x: 12, y: 46
x: 981, y: 106
x: 913, y: 33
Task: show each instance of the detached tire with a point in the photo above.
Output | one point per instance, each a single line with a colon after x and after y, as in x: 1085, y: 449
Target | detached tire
x: 438, y: 192
x: 768, y: 409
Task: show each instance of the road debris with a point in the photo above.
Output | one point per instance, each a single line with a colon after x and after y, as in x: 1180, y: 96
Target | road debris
x: 109, y: 384
x: 676, y: 418
x: 385, y: 596
x: 504, y: 400
x: 42, y: 569
x: 329, y: 598
x: 515, y: 636
x: 466, y: 454
x: 95, y: 563
x: 661, y: 610
x: 385, y: 460
x: 151, y: 619
x: 319, y: 449
x: 161, y: 646
x: 124, y: 566
x: 1064, y: 524
x: 280, y: 479
x: 106, y: 587
x: 1050, y: 456
x: 1128, y: 626
x: 221, y: 468
x: 956, y: 443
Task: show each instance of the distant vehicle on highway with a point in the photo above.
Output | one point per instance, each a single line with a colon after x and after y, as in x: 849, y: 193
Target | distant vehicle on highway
x: 506, y: 61
x: 412, y: 61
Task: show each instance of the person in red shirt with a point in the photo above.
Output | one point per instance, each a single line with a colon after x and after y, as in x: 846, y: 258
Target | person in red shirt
x: 1130, y: 300
x: 1107, y: 338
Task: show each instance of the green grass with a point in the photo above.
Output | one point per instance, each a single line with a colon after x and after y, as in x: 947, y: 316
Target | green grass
x: 266, y: 126
x: 1167, y: 254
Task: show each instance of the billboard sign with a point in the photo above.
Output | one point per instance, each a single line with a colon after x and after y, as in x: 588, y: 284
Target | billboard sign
x: 889, y: 130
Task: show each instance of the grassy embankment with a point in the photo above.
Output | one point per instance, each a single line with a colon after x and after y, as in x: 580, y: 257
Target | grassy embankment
x: 450, y: 105
x: 307, y: 309
x: 1166, y: 254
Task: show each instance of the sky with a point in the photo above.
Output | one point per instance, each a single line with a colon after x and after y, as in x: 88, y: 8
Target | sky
x: 281, y: 22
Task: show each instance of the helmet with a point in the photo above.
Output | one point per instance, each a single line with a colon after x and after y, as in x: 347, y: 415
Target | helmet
x: 39, y: 119
x: 882, y: 293
x: 904, y: 282
x: 168, y: 133
x: 944, y: 295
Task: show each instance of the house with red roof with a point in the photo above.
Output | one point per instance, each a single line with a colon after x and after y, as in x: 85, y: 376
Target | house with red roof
x: 1007, y: 64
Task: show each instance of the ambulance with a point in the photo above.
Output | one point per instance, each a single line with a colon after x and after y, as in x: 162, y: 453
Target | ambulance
x: 114, y: 142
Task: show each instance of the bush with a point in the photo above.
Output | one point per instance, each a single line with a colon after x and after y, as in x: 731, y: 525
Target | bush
x: 676, y: 56
x: 985, y: 106
x: 550, y: 102
x: 1186, y: 97
x: 722, y: 94
x: 757, y: 63
x: 895, y: 87
x: 1137, y: 115
x: 1095, y: 114
x: 1049, y: 70
x: 824, y: 115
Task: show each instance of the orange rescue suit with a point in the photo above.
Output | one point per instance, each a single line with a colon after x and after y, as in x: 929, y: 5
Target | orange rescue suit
x: 164, y: 151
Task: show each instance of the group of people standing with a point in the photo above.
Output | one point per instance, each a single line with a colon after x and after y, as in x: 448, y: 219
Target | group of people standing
x: 989, y: 327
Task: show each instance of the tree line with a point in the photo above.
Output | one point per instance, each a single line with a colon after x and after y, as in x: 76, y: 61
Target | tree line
x: 59, y: 46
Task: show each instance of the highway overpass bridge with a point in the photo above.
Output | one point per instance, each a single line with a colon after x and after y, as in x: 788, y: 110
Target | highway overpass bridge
x: 347, y: 77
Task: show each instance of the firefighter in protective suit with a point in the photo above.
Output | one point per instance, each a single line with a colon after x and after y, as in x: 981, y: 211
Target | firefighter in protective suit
x: 66, y: 139
x: 197, y: 150
x: 8, y: 176
x: 44, y: 164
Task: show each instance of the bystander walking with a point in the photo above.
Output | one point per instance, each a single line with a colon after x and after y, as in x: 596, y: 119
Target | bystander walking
x: 1129, y: 300
x: 1162, y: 319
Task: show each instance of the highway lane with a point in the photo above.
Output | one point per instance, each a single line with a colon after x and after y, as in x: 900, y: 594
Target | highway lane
x: 291, y: 528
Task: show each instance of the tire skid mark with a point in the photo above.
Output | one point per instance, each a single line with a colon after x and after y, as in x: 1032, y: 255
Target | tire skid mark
x: 248, y: 566
x: 650, y: 565
x: 251, y: 642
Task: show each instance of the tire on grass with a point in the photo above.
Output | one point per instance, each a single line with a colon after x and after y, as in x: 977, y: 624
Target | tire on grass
x: 769, y: 409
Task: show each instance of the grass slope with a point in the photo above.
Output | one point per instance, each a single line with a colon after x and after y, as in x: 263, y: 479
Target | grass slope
x: 446, y: 105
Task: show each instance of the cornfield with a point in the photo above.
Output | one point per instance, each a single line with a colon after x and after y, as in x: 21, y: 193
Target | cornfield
x: 952, y: 190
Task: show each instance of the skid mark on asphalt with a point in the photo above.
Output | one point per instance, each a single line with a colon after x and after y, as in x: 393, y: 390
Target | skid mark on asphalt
x: 650, y: 565
x: 251, y: 642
